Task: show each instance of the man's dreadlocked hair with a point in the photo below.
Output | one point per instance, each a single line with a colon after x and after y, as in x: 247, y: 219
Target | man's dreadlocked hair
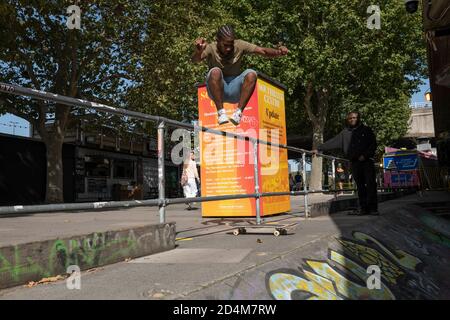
x: 225, y: 32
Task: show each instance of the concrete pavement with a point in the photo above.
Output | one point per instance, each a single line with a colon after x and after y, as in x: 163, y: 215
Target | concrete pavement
x: 36, y: 246
x: 408, y: 242
x: 46, y: 226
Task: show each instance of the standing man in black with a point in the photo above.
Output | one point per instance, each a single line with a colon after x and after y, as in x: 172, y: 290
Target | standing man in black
x: 358, y: 142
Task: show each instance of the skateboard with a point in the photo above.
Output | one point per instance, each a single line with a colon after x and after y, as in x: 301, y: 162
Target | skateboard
x: 275, y: 229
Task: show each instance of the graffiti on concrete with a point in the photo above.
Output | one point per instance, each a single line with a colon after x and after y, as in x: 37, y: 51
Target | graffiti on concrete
x: 45, y: 259
x: 86, y: 251
x: 344, y: 274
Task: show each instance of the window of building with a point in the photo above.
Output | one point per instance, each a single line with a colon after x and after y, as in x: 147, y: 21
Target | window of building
x: 123, y: 169
x: 97, y: 166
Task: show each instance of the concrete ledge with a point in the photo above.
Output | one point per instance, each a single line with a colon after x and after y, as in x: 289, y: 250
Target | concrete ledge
x: 22, y: 263
x: 334, y: 206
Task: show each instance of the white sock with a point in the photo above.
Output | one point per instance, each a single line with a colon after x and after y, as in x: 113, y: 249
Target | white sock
x: 222, y: 111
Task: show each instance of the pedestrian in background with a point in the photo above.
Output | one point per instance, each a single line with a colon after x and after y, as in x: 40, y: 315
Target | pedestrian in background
x: 298, y: 182
x: 341, y: 177
x: 189, y: 178
x: 358, y: 142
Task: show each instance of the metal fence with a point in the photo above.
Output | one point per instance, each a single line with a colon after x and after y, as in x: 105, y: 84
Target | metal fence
x: 162, y: 126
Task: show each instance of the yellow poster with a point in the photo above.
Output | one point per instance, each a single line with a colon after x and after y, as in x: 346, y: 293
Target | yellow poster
x: 227, y: 165
x: 273, y: 161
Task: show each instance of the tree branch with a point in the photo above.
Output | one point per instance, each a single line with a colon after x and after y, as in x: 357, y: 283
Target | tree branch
x: 322, y: 97
x: 29, y: 68
x: 86, y: 61
x: 112, y: 76
x: 307, y: 102
x: 74, y: 76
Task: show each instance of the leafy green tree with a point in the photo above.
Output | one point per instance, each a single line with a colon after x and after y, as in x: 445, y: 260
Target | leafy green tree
x: 167, y: 78
x: 336, y: 63
x: 38, y: 50
x: 137, y: 55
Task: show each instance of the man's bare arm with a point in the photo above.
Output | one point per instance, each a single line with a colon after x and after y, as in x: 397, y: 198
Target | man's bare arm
x: 271, y: 53
x: 200, y: 46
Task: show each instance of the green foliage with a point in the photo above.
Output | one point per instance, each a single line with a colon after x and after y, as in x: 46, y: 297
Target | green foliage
x: 150, y: 44
x: 94, y: 63
x: 136, y: 54
x: 331, y: 46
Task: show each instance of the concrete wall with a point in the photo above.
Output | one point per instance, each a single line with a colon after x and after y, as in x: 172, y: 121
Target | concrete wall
x: 27, y: 262
x: 421, y: 123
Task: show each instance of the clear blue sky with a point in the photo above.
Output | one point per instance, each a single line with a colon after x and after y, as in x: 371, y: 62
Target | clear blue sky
x: 420, y: 96
x: 22, y: 127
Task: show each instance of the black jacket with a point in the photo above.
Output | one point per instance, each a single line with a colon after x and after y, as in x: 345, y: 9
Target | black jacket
x: 354, y: 142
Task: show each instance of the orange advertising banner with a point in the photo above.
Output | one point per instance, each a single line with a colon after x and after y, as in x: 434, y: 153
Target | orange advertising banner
x: 273, y: 161
x: 227, y: 164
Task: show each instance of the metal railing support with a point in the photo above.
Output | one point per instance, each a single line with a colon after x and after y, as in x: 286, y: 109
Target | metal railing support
x: 256, y: 180
x: 333, y: 168
x: 161, y: 173
x: 305, y: 197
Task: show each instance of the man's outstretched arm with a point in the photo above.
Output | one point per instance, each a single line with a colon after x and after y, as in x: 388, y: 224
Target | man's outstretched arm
x: 200, y: 46
x: 332, y: 144
x: 271, y: 53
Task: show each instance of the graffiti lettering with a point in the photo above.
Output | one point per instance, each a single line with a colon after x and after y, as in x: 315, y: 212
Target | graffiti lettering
x: 363, y: 265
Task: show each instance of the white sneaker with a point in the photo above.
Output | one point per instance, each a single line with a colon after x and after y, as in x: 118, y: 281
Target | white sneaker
x: 236, y: 117
x: 222, y: 117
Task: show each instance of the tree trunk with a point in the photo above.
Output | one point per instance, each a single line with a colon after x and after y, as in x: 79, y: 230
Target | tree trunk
x: 318, y: 121
x: 316, y: 165
x: 54, y: 193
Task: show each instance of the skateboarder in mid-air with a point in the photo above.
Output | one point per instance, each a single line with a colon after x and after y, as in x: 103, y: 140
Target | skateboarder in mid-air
x: 225, y: 82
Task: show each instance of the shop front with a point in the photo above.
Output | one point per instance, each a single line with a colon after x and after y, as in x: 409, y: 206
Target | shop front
x: 111, y: 176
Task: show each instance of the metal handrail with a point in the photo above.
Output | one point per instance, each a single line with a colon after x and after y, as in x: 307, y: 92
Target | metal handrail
x: 162, y: 122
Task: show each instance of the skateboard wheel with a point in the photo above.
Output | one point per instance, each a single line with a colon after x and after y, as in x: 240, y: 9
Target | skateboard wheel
x: 276, y: 233
x: 236, y: 232
x: 242, y: 230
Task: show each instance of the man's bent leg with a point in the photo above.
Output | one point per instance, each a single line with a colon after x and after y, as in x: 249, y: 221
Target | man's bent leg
x: 214, y: 83
x: 215, y: 87
x: 248, y: 86
x: 244, y: 85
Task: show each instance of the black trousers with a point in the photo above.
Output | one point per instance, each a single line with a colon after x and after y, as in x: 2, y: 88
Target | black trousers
x: 364, y: 175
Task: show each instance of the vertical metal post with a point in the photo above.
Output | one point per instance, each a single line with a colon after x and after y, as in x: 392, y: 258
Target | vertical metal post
x: 304, y: 184
x: 256, y: 174
x: 333, y: 168
x: 161, y: 173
